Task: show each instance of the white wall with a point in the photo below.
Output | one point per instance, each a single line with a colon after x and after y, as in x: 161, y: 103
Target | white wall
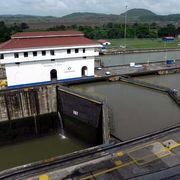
x: 59, y: 54
x: 39, y: 71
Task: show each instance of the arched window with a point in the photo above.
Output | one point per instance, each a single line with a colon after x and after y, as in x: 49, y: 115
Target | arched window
x: 53, y: 75
x: 84, y: 71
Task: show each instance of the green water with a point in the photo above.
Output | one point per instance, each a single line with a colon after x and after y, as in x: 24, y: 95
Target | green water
x: 38, y: 149
x: 171, y: 81
x: 134, y: 111
x: 121, y: 59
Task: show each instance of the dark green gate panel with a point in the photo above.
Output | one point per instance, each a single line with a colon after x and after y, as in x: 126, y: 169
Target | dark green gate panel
x: 79, y: 107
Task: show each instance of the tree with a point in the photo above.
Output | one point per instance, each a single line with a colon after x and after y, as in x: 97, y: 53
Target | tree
x: 5, y: 32
x: 178, y: 31
x: 24, y: 26
x: 169, y: 30
x: 142, y: 31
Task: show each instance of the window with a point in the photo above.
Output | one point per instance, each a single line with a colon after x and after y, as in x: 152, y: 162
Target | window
x: 84, y: 57
x: 1, y: 56
x: 69, y: 51
x: 43, y: 53
x: 25, y: 54
x: 17, y: 63
x: 52, y: 59
x: 84, y: 50
x: 16, y: 55
x: 52, y: 52
x: 76, y: 50
x: 34, y: 53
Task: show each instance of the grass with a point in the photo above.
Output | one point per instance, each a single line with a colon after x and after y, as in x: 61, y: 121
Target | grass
x: 144, y: 43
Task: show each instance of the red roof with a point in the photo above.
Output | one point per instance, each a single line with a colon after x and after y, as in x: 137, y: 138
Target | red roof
x: 46, y: 34
x: 102, y: 41
x: 48, y: 40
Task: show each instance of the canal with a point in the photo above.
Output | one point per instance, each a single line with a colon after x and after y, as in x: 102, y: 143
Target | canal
x: 38, y: 149
x: 171, y: 81
x: 135, y: 111
x: 121, y: 59
x: 44, y: 147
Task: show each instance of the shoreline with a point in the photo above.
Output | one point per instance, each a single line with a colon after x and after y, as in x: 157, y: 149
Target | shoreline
x: 116, y: 51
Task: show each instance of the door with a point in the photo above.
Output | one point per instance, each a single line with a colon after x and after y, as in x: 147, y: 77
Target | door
x: 84, y: 71
x: 53, y: 75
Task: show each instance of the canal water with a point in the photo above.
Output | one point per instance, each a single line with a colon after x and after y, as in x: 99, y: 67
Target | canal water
x: 121, y: 59
x: 171, y: 81
x: 47, y: 145
x: 135, y: 111
x: 38, y: 149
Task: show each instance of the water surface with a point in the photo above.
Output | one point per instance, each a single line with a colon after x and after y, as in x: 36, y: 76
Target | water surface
x: 171, y: 81
x: 38, y: 149
x: 121, y: 59
x: 135, y: 111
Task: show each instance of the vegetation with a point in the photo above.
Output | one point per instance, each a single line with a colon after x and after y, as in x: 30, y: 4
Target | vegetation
x: 134, y: 15
x: 114, y: 31
x: 91, y: 19
x: 142, y: 32
x: 144, y: 43
x: 5, y: 31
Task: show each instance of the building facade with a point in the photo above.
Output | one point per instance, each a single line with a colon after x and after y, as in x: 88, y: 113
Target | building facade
x: 43, y: 57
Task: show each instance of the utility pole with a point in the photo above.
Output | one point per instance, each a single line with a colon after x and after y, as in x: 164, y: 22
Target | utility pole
x: 125, y: 26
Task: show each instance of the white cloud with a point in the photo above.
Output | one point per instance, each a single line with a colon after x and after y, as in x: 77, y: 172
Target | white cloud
x: 63, y: 7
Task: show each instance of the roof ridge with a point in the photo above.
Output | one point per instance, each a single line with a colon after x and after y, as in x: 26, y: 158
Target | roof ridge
x: 46, y: 34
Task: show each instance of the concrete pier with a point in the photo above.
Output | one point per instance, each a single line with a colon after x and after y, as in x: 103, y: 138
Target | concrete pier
x: 139, y: 69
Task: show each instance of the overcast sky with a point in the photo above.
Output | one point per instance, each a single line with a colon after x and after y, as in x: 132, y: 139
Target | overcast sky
x: 64, y: 7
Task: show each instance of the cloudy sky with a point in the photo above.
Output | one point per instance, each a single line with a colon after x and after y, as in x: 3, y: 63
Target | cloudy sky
x: 64, y: 7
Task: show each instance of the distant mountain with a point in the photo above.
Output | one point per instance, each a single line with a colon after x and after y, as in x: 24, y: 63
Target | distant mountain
x: 90, y: 18
x: 87, y: 18
x: 139, y: 13
x: 145, y: 15
x: 83, y: 14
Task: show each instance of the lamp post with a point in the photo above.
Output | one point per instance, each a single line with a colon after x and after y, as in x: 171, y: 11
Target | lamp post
x: 165, y: 48
x: 125, y: 27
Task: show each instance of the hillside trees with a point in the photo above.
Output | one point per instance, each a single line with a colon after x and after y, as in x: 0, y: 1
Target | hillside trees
x: 7, y: 31
x: 4, y: 32
x: 114, y: 30
x: 169, y: 30
x: 106, y: 31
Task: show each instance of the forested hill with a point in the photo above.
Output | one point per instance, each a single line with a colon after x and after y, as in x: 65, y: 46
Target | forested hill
x: 86, y: 18
x: 133, y: 15
x: 141, y: 23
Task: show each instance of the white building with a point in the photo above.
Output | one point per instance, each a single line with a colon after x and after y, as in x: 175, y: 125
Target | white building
x: 41, y: 57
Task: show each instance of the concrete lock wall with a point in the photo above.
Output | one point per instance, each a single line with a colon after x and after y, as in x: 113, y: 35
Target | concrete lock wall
x: 22, y: 103
x: 16, y: 104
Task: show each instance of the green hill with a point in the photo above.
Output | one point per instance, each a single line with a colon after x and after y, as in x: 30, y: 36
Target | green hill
x: 88, y: 18
x: 139, y: 13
